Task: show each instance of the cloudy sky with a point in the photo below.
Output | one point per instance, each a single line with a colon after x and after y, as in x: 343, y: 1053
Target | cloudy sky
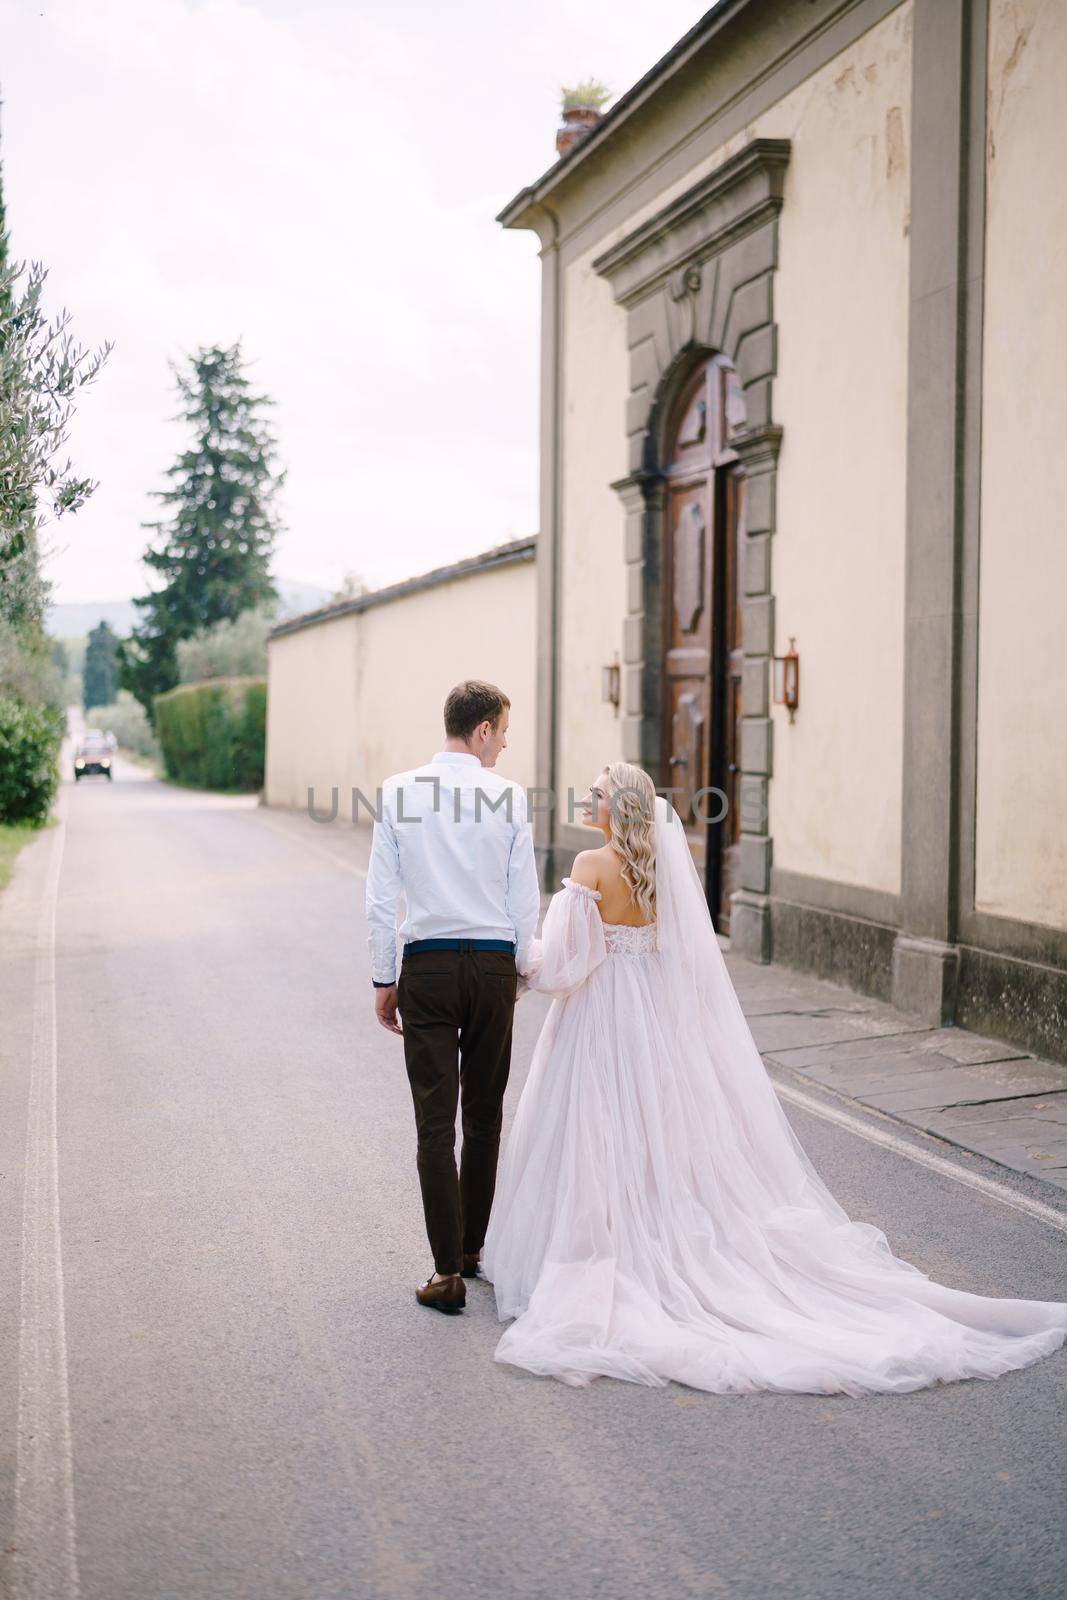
x: 320, y: 178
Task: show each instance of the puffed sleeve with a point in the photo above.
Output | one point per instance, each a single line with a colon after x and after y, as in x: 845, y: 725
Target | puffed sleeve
x: 571, y: 945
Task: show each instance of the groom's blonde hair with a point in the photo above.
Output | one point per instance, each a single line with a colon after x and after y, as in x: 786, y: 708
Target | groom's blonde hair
x: 632, y: 798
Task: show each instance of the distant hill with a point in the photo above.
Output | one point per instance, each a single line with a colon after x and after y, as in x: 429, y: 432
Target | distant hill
x: 74, y: 619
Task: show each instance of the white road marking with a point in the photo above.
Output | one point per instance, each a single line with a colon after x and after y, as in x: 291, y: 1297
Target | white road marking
x: 46, y: 1563
x: 865, y: 1129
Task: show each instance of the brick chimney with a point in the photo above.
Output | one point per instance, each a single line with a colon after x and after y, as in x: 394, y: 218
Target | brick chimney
x: 578, y: 121
x: 583, y: 107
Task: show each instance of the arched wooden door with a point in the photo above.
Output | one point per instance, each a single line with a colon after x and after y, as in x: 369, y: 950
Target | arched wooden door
x: 703, y: 579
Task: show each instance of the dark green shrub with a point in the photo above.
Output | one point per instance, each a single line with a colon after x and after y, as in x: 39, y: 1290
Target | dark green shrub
x: 30, y: 737
x: 250, y: 740
x: 213, y: 734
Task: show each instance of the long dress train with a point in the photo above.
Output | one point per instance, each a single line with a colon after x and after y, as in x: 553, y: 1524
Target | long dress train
x: 655, y: 1216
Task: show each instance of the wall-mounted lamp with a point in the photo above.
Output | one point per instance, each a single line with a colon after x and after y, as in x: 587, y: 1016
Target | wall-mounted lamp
x: 610, y: 679
x: 787, y: 679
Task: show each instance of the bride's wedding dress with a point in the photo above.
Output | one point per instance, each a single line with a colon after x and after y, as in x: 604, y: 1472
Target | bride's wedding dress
x: 656, y: 1217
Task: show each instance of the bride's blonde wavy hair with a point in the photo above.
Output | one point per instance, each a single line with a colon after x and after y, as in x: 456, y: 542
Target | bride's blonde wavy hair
x: 632, y: 798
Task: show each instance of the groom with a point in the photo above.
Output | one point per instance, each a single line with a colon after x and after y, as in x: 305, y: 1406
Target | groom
x: 453, y: 836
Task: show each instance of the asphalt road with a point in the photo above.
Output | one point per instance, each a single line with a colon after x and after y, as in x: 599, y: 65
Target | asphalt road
x: 214, y: 1379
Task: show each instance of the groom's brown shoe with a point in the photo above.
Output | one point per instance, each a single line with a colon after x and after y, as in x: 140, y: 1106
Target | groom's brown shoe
x: 470, y: 1263
x: 450, y: 1294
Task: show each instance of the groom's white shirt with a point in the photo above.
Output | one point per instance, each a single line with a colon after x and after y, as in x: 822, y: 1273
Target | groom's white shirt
x: 454, y: 836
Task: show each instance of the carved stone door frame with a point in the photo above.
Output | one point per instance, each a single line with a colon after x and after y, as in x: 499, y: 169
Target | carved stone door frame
x: 698, y: 277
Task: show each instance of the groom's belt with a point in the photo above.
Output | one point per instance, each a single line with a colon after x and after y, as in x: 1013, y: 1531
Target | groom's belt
x: 458, y: 944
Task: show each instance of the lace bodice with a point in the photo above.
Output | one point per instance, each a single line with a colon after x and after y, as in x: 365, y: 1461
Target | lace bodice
x: 620, y: 938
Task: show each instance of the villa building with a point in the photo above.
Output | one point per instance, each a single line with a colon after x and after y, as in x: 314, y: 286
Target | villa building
x: 802, y: 548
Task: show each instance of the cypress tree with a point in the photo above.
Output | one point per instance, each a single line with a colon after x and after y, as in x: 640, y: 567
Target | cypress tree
x: 214, y: 549
x: 101, y: 672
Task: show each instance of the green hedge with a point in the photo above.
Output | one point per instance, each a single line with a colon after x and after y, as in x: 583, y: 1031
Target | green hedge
x: 30, y: 737
x: 213, y: 735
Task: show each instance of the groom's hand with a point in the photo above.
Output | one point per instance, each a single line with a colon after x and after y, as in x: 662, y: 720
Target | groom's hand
x: 385, y: 1009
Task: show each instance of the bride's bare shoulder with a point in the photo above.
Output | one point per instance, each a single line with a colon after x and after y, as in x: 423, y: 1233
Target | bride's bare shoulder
x: 588, y: 868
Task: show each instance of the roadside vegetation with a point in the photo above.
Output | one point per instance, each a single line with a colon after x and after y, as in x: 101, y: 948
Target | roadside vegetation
x: 42, y: 373
x: 199, y: 646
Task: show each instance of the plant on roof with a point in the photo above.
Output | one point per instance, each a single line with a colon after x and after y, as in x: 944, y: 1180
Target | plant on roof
x: 589, y: 95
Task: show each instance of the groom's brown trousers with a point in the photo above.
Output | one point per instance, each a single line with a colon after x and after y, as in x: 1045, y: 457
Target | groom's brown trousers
x: 457, y: 1008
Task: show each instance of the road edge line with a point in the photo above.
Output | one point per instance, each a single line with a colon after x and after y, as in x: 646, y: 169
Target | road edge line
x: 46, y: 1563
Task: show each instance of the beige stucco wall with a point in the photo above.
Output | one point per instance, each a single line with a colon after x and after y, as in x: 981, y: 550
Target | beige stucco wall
x: 592, y: 599
x: 841, y: 396
x: 311, y: 713
x: 841, y: 301
x: 1021, y: 849
x: 352, y: 700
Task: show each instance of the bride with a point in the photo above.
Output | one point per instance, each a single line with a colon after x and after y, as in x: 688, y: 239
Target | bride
x: 655, y: 1216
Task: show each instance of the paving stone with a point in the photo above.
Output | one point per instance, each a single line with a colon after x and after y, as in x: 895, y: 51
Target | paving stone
x: 1048, y: 1108
x: 960, y: 1085
x: 776, y: 986
x: 787, y: 1030
x: 1034, y: 1157
x: 773, y: 1003
x: 757, y: 1003
x: 970, y: 1048
x: 886, y: 1056
x: 760, y: 1000
x: 864, y: 1079
x: 1023, y: 1134
x: 909, y: 1049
